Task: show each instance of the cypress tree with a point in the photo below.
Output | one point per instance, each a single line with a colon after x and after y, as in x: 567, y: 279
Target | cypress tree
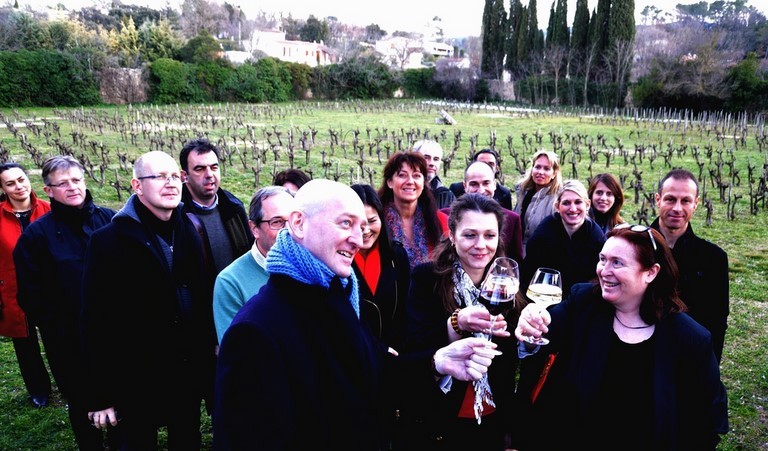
x: 601, y: 26
x: 561, y: 37
x: 535, y: 45
x: 514, y: 27
x: 580, y: 30
x: 621, y: 24
x: 551, y: 25
x: 523, y: 50
x: 494, y: 36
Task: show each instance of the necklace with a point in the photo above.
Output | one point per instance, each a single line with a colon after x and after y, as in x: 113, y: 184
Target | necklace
x: 630, y: 327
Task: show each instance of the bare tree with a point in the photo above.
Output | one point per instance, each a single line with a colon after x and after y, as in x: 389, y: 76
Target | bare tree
x: 587, y: 64
x: 554, y: 59
x: 618, y: 62
x: 199, y: 15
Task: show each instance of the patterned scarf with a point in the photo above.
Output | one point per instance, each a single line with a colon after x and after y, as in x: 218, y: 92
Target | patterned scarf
x: 418, y: 249
x: 466, y: 293
x: 291, y: 259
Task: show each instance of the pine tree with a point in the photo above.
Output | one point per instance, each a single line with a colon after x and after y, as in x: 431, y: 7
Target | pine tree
x: 580, y: 30
x: 523, y: 49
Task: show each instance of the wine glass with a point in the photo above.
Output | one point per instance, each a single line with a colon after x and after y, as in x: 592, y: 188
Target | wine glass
x: 545, y: 289
x: 498, y: 290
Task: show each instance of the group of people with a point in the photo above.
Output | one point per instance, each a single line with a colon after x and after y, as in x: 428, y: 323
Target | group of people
x: 349, y: 317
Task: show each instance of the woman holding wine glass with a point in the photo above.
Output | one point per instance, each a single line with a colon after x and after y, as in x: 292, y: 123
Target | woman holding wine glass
x: 633, y: 372
x: 443, y: 306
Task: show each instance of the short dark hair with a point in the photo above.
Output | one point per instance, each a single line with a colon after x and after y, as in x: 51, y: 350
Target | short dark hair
x: 201, y: 145
x: 487, y: 150
x: 295, y: 176
x: 679, y: 174
x: 10, y: 165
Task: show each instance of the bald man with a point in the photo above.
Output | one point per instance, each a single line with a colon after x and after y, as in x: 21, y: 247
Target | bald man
x: 297, y: 366
x: 147, y: 325
x: 479, y: 178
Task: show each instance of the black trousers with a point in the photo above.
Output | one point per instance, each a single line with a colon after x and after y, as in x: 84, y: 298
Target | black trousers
x: 138, y: 431
x: 31, y: 365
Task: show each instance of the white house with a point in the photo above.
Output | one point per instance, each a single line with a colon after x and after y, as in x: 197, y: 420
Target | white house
x: 274, y: 44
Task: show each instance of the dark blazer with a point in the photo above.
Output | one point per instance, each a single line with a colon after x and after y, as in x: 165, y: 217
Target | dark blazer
x: 49, y: 260
x: 575, y: 256
x: 502, y: 194
x: 704, y: 284
x: 148, y: 327
x: 427, y: 405
x: 511, y: 234
x: 443, y: 196
x: 689, y: 406
x: 295, y: 367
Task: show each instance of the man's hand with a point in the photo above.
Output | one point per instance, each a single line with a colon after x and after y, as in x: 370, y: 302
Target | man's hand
x: 467, y: 359
x: 102, y: 418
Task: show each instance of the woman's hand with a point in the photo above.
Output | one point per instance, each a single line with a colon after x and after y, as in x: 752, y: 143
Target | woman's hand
x: 467, y: 359
x: 476, y: 318
x: 533, y: 322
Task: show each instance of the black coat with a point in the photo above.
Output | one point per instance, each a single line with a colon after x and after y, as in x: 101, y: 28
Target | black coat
x: 297, y: 368
x: 147, y: 330
x: 575, y: 256
x: 49, y: 259
x: 689, y: 405
x: 703, y: 283
x: 425, y: 404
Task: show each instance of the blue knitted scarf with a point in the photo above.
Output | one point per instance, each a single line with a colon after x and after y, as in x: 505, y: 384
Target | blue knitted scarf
x: 291, y: 259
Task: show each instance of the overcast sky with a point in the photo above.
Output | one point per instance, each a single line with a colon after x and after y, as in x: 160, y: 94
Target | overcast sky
x: 458, y: 18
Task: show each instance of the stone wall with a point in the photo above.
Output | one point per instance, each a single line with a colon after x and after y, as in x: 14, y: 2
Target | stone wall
x: 122, y: 85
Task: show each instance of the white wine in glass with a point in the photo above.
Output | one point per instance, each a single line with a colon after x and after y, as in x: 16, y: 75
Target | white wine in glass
x: 545, y: 289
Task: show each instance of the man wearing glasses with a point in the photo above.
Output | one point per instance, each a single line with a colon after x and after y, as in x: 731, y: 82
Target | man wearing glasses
x: 238, y: 282
x: 49, y: 268
x: 147, y: 327
x: 218, y: 215
x: 704, y: 285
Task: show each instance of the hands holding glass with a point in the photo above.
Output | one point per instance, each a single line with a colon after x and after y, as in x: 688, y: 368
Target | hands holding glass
x: 544, y: 290
x: 498, y: 290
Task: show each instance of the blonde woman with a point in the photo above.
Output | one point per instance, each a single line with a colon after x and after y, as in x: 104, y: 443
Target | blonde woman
x: 537, y: 191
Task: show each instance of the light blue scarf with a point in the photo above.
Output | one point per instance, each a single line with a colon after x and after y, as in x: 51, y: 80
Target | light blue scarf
x: 291, y: 259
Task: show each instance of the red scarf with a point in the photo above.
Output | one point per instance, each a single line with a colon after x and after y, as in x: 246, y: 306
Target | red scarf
x: 370, y: 266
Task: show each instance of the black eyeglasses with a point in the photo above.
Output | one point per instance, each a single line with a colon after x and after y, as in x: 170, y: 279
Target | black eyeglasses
x: 274, y: 223
x: 639, y: 229
x: 173, y: 178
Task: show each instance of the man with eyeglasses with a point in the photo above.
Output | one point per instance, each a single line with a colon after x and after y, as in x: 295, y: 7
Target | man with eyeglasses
x: 218, y: 215
x: 147, y: 327
x: 703, y: 266
x: 49, y: 267
x: 502, y: 194
x: 242, y: 279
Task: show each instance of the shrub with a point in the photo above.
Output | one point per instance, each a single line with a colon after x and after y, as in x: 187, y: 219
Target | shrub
x: 45, y: 78
x: 172, y: 81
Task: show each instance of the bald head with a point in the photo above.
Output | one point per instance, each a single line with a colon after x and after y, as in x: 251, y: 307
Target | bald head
x: 328, y: 220
x: 143, y: 166
x: 480, y: 178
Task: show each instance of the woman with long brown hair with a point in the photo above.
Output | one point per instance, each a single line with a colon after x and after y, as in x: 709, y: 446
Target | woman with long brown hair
x: 410, y: 210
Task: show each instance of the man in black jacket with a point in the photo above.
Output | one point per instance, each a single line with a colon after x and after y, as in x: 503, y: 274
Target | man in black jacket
x: 296, y: 363
x: 221, y: 217
x: 147, y: 326
x: 49, y: 268
x: 704, y: 285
